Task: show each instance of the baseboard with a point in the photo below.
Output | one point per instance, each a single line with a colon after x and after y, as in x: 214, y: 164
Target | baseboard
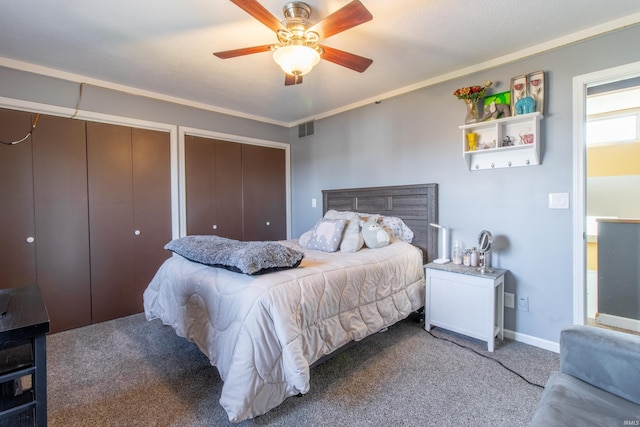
x: 534, y: 341
x: 618, y: 322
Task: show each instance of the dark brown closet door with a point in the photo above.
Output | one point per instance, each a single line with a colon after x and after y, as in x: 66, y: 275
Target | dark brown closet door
x: 61, y: 220
x: 228, y: 189
x: 200, y: 184
x: 129, y: 175
x: 213, y: 171
x: 151, y: 205
x: 264, y: 193
x: 110, y: 183
x: 17, y: 255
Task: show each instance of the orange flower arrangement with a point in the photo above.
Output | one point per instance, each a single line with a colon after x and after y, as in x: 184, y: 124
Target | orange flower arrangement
x: 472, y: 92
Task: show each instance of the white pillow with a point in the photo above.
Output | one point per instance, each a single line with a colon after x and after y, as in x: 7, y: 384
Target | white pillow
x: 327, y: 235
x: 304, y: 238
x: 352, y: 240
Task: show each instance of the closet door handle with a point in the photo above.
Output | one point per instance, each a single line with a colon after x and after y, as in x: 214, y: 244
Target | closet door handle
x: 215, y: 226
x: 268, y: 223
x: 30, y: 239
x: 137, y: 232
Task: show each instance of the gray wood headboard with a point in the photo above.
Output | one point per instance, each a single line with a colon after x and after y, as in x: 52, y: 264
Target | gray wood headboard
x: 417, y: 205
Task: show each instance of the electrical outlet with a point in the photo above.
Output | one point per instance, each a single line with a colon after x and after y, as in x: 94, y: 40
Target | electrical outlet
x: 523, y: 303
x: 509, y: 300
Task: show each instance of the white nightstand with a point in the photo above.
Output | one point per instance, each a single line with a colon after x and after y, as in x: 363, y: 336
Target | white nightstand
x: 464, y: 300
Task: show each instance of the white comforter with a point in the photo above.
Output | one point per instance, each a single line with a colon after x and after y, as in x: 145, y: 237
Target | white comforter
x: 263, y: 332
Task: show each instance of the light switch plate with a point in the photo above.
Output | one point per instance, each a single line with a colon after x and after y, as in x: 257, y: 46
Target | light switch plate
x: 558, y: 200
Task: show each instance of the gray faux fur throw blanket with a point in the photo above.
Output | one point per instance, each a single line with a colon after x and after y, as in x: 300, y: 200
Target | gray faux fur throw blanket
x: 242, y: 257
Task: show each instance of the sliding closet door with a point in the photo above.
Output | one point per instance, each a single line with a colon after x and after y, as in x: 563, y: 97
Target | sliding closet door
x: 110, y: 178
x: 17, y: 229
x: 151, y: 205
x: 61, y: 220
x: 264, y: 192
x: 213, y: 171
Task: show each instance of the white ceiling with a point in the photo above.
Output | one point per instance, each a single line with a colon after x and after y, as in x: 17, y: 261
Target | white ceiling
x: 163, y: 48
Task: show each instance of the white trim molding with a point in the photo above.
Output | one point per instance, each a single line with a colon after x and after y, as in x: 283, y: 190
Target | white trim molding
x: 492, y: 63
x: 580, y: 85
x: 618, y: 322
x: 534, y: 341
x: 53, y: 110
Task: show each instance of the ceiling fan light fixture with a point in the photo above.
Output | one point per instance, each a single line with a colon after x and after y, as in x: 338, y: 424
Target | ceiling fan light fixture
x: 296, y: 60
x: 297, y: 50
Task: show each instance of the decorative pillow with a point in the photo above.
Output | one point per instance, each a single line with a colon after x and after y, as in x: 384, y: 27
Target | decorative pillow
x: 374, y: 235
x: 304, y: 238
x: 352, y: 240
x: 395, y: 226
x: 327, y: 235
x: 242, y: 257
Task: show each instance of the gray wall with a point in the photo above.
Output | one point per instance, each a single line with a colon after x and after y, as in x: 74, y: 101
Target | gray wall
x: 61, y: 93
x: 415, y: 138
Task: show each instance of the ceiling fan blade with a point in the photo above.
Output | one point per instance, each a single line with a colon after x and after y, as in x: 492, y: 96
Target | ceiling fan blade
x: 346, y: 59
x: 255, y: 9
x: 244, y: 51
x: 349, y: 16
x: 290, y: 79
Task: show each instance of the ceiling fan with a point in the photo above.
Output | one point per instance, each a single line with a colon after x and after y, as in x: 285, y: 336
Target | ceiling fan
x: 298, y: 50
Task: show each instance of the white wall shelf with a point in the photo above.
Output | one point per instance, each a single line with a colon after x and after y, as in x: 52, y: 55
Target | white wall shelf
x: 491, y: 151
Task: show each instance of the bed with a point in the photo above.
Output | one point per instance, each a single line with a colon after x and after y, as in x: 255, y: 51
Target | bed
x: 263, y: 332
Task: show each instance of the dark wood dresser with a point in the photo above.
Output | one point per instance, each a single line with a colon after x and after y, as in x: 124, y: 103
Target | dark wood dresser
x: 23, y: 358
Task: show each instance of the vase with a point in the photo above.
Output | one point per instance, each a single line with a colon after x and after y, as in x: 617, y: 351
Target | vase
x: 472, y: 111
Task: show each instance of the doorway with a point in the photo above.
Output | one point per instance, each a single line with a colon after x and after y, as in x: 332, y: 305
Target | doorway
x: 604, y: 81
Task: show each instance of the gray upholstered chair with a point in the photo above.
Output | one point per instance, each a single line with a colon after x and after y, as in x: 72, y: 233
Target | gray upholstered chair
x: 598, y: 383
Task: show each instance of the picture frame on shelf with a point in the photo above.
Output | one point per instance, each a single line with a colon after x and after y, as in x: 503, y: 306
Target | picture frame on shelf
x: 519, y: 90
x: 535, y: 89
x: 498, y: 98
